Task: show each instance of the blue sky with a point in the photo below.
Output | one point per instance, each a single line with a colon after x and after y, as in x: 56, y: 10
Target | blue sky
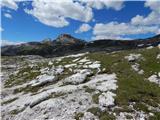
x: 32, y: 21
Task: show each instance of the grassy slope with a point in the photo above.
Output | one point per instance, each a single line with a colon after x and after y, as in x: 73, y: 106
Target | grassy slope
x: 133, y: 87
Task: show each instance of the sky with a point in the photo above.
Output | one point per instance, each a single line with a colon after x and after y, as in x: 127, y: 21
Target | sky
x: 25, y: 21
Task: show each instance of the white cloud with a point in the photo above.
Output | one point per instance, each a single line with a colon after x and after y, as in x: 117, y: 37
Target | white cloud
x: 152, y: 19
x: 138, y: 25
x: 101, y: 37
x: 117, y: 30
x: 9, y: 4
x: 153, y: 4
x: 7, y: 42
x: 83, y: 28
x: 1, y: 29
x: 55, y: 13
x: 100, y: 4
x: 7, y: 15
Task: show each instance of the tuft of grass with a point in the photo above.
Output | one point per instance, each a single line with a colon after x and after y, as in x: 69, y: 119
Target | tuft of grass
x: 94, y: 110
x: 103, y: 115
x: 95, y: 98
x: 58, y: 95
x: 89, y: 90
x: 141, y: 107
x: 123, y: 109
x: 106, y: 116
x: 9, y: 101
x: 27, y: 89
x: 78, y: 115
x: 64, y: 61
x: 21, y: 77
x: 129, y: 117
x: 155, y: 117
x: 15, y: 111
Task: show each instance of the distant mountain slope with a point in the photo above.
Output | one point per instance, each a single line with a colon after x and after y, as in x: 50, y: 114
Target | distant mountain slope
x: 111, y: 45
x: 66, y: 44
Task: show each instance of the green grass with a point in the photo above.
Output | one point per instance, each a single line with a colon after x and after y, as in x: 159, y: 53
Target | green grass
x: 20, y: 78
x: 78, y: 115
x: 15, y: 112
x: 132, y: 87
x: 129, y: 117
x: 103, y: 115
x: 64, y: 61
x: 95, y: 98
x: 58, y: 95
x: 123, y: 109
x: 9, y: 101
x: 94, y: 110
x: 89, y: 90
x: 150, y: 65
x: 155, y: 117
x: 28, y: 89
x: 141, y: 107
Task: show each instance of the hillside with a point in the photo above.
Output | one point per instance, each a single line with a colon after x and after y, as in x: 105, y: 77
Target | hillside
x: 87, y: 86
x: 66, y: 44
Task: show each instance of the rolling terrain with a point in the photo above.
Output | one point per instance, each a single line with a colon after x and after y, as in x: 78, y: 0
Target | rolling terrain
x: 99, y: 85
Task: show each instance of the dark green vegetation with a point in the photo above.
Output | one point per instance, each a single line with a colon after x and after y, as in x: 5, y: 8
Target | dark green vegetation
x: 133, y: 87
x: 95, y: 98
x: 156, y: 116
x: 9, y: 101
x: 78, y: 115
x: 103, y: 115
x: 15, y: 112
x: 89, y: 90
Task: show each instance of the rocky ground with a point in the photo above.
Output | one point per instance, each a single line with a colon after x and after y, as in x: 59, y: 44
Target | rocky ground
x: 120, y: 85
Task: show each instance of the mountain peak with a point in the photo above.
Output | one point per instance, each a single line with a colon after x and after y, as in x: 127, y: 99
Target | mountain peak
x: 67, y: 39
x: 65, y: 35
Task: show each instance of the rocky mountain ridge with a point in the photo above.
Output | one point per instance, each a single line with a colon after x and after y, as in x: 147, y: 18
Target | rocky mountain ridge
x: 66, y: 44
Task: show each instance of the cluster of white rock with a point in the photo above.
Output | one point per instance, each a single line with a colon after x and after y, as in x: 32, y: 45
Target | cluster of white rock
x: 155, y: 78
x: 158, y: 56
x: 136, y: 67
x: 133, y: 57
x: 150, y: 47
x: 70, y: 90
x: 43, y: 79
x: 79, y: 77
x: 54, y: 70
x: 106, y: 99
x: 137, y: 115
